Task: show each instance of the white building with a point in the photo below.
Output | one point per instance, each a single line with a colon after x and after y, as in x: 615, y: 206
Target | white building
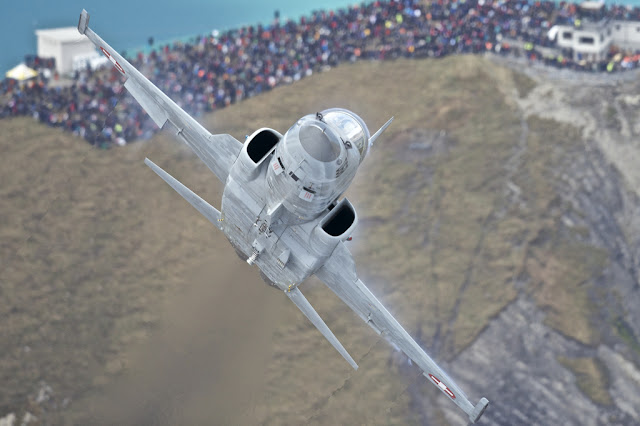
x: 63, y: 44
x: 592, y: 36
x: 590, y: 41
x: 626, y: 34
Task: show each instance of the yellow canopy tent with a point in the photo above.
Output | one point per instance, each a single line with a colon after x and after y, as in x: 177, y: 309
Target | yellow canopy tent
x: 21, y: 73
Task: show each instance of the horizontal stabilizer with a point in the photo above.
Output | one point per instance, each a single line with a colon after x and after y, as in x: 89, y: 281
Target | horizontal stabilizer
x: 303, y: 304
x: 206, y: 209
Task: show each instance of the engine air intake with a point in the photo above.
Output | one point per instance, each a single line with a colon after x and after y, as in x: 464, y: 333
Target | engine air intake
x: 261, y: 144
x: 340, y: 221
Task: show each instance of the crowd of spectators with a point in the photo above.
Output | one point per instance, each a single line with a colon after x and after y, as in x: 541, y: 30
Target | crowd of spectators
x: 216, y: 70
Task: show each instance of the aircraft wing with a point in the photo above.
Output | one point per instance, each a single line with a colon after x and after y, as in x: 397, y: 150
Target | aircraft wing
x: 218, y: 152
x: 339, y: 274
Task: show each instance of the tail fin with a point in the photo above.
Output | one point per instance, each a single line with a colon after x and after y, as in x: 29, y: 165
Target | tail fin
x: 206, y: 209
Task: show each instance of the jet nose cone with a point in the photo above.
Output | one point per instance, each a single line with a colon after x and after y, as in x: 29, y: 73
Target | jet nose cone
x: 318, y: 144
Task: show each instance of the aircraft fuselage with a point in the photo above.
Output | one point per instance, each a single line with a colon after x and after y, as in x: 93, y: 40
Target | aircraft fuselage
x: 280, y: 204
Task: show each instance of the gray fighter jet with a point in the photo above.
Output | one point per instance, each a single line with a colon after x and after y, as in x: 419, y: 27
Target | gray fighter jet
x: 281, y: 207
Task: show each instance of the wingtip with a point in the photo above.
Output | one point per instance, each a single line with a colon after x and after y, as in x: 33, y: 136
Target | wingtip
x: 478, y: 410
x: 83, y: 23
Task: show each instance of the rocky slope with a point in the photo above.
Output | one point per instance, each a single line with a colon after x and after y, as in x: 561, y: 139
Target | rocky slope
x: 518, y: 355
x: 499, y: 223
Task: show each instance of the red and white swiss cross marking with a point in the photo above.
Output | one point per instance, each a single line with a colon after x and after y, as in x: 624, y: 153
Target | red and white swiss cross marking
x: 442, y: 386
x: 112, y: 59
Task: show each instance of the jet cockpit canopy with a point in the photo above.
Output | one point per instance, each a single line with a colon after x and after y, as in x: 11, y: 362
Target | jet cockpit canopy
x: 351, y: 127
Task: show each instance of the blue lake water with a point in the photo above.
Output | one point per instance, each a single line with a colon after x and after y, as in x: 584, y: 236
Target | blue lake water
x: 127, y: 24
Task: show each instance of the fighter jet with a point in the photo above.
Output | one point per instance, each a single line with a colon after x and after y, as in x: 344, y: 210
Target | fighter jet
x: 282, y: 208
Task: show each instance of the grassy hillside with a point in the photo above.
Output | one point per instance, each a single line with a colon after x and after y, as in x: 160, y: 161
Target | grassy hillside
x: 457, y: 207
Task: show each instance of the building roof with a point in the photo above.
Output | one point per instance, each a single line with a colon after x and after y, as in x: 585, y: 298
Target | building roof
x: 592, y: 5
x: 63, y: 35
x: 586, y: 25
x: 593, y: 26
